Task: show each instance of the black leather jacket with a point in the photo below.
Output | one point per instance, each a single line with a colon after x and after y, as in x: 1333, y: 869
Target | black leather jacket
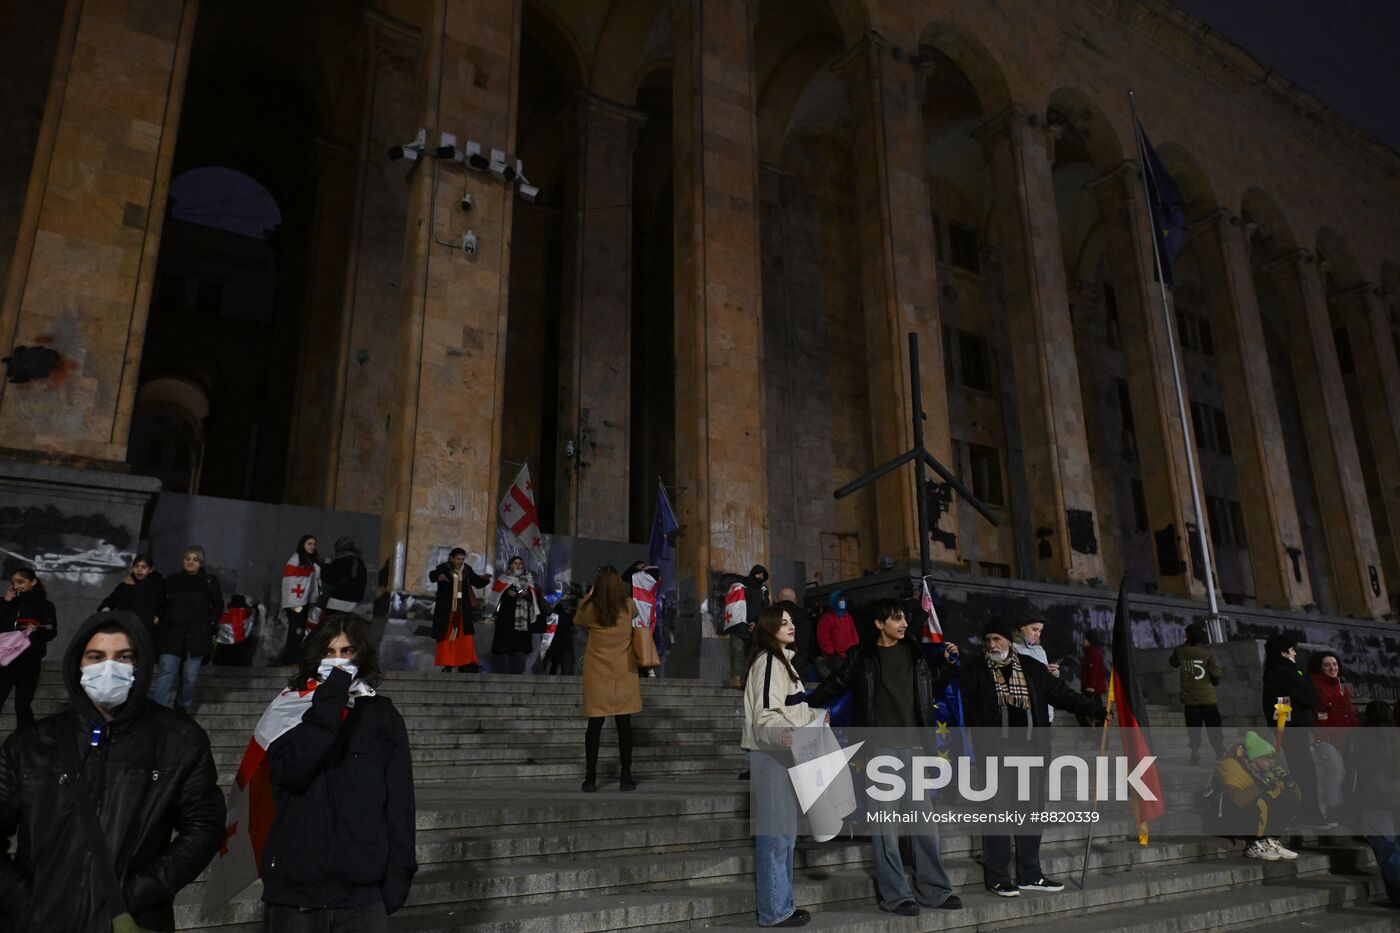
x: 155, y: 788
x: 860, y: 674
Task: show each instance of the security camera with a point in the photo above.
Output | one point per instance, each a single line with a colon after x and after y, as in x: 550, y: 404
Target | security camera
x: 466, y: 203
x: 475, y: 160
x: 500, y: 167
x: 469, y: 243
x: 528, y: 191
x: 409, y: 150
x: 447, y: 147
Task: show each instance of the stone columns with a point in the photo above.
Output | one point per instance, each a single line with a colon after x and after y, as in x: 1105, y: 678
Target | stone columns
x: 1059, y: 480
x: 85, y: 255
x: 363, y: 412
x: 595, y: 385
x: 1266, y: 491
x: 1161, y: 441
x: 899, y: 281
x: 720, y: 457
x: 449, y: 346
x: 1341, y: 491
x: 1367, y: 321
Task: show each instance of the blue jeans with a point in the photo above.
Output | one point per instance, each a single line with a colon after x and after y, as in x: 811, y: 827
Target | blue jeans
x: 773, y: 855
x: 1379, y: 826
x: 173, y: 668
x: 931, y: 883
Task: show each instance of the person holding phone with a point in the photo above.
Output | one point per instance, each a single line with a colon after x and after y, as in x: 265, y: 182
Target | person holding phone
x: 26, y: 609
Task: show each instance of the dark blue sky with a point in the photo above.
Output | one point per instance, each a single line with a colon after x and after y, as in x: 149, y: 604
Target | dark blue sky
x: 1343, y: 52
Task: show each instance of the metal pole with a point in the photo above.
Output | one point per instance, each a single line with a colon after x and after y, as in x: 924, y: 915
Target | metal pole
x: 920, y: 487
x: 1216, y: 633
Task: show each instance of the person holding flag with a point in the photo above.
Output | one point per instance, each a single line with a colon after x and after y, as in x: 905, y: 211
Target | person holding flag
x: 519, y: 607
x: 1012, y: 693
x: 339, y: 854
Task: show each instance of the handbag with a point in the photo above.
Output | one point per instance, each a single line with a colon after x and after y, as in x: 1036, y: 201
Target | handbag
x: 643, y: 646
x: 12, y: 645
x: 122, y: 920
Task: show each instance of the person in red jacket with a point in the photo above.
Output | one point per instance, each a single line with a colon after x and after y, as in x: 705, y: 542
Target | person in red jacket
x: 1336, y: 716
x: 1093, y: 676
x: 836, y: 631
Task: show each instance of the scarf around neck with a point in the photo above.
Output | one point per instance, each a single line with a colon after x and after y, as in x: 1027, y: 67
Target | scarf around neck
x: 1011, y: 690
x: 525, y: 602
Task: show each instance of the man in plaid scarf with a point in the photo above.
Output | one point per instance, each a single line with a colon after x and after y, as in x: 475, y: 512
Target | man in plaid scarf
x: 1005, y: 697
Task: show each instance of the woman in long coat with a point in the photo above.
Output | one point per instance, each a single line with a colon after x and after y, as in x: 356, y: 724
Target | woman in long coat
x: 453, y: 628
x: 519, y: 608
x: 610, y: 684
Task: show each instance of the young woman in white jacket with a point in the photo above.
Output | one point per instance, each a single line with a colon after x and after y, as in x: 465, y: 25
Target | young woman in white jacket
x: 768, y: 725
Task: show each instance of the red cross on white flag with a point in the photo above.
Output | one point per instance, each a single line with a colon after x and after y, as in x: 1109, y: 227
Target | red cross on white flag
x: 517, y: 513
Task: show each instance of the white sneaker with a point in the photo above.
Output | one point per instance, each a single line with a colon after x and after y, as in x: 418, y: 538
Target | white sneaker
x: 1262, y: 850
x: 1278, y: 847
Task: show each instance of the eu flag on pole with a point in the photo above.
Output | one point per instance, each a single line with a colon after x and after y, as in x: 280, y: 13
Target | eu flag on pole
x: 1166, y: 205
x: 661, y: 553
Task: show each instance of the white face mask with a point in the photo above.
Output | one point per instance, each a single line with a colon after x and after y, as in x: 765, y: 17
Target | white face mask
x: 998, y: 656
x: 330, y: 664
x: 108, y: 683
x: 841, y: 605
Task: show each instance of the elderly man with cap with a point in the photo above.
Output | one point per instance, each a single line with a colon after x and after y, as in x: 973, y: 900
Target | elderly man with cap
x: 1006, y: 696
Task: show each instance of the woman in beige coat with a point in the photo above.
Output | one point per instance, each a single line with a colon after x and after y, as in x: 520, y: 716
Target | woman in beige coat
x: 610, y: 684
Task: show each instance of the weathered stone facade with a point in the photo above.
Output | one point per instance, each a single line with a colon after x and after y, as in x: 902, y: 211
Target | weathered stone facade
x: 745, y: 207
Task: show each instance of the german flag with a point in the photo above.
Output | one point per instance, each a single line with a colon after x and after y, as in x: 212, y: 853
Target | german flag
x: 1125, y: 689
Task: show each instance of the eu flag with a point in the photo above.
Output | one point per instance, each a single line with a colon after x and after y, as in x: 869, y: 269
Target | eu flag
x: 1165, y: 204
x: 661, y: 553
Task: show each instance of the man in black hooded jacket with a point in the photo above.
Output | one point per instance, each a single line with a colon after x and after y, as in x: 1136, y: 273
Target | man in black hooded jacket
x: 147, y: 770
x: 1283, y: 677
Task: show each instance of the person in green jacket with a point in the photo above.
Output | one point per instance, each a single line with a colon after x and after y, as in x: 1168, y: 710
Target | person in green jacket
x: 1200, y: 672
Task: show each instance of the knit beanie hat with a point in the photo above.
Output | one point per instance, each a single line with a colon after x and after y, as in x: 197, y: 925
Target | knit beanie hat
x: 1255, y: 747
x: 997, y: 626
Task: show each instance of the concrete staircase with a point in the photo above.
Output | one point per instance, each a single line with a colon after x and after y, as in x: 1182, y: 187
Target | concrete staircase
x: 507, y: 843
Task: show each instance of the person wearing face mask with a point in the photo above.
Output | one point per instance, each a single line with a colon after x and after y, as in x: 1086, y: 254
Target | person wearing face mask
x: 836, y: 631
x: 147, y: 770
x: 1284, y: 679
x: 1009, y: 695
x: 342, y: 783
x: 26, y: 609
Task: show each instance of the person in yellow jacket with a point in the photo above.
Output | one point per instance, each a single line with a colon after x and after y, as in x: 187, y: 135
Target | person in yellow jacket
x: 768, y: 725
x: 1256, y: 799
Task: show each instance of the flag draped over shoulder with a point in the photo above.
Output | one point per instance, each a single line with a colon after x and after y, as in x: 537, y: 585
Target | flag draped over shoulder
x: 644, y: 597
x: 250, y: 806
x: 1166, y: 204
x: 1125, y: 687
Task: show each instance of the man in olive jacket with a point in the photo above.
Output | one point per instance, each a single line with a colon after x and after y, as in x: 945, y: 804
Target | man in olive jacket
x: 147, y: 770
x: 1200, y: 673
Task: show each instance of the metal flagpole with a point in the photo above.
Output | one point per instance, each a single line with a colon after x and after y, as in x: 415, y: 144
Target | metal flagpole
x: 1216, y: 633
x: 1103, y: 748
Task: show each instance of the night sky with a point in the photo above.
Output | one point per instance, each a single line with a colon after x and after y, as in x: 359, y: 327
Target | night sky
x: 1343, y: 52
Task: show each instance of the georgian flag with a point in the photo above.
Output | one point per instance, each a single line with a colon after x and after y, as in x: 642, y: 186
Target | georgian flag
x: 736, y: 606
x: 644, y: 596
x: 250, y: 806
x: 517, y: 513
x: 933, y: 630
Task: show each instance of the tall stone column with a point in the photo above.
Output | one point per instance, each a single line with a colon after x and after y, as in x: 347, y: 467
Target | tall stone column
x: 1367, y: 321
x: 1050, y: 405
x: 364, y: 408
x: 1341, y: 491
x: 449, y: 359
x: 899, y: 283
x: 85, y: 255
x: 720, y: 449
x: 596, y: 383
x: 1161, y: 439
x: 1266, y: 490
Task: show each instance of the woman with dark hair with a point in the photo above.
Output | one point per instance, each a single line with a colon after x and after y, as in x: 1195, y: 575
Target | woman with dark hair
x: 140, y: 593
x: 342, y: 783
x: 453, y: 629
x: 189, y: 617
x: 301, y: 585
x: 768, y: 725
x: 26, y: 609
x: 1336, y: 716
x: 517, y: 613
x: 610, y: 683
